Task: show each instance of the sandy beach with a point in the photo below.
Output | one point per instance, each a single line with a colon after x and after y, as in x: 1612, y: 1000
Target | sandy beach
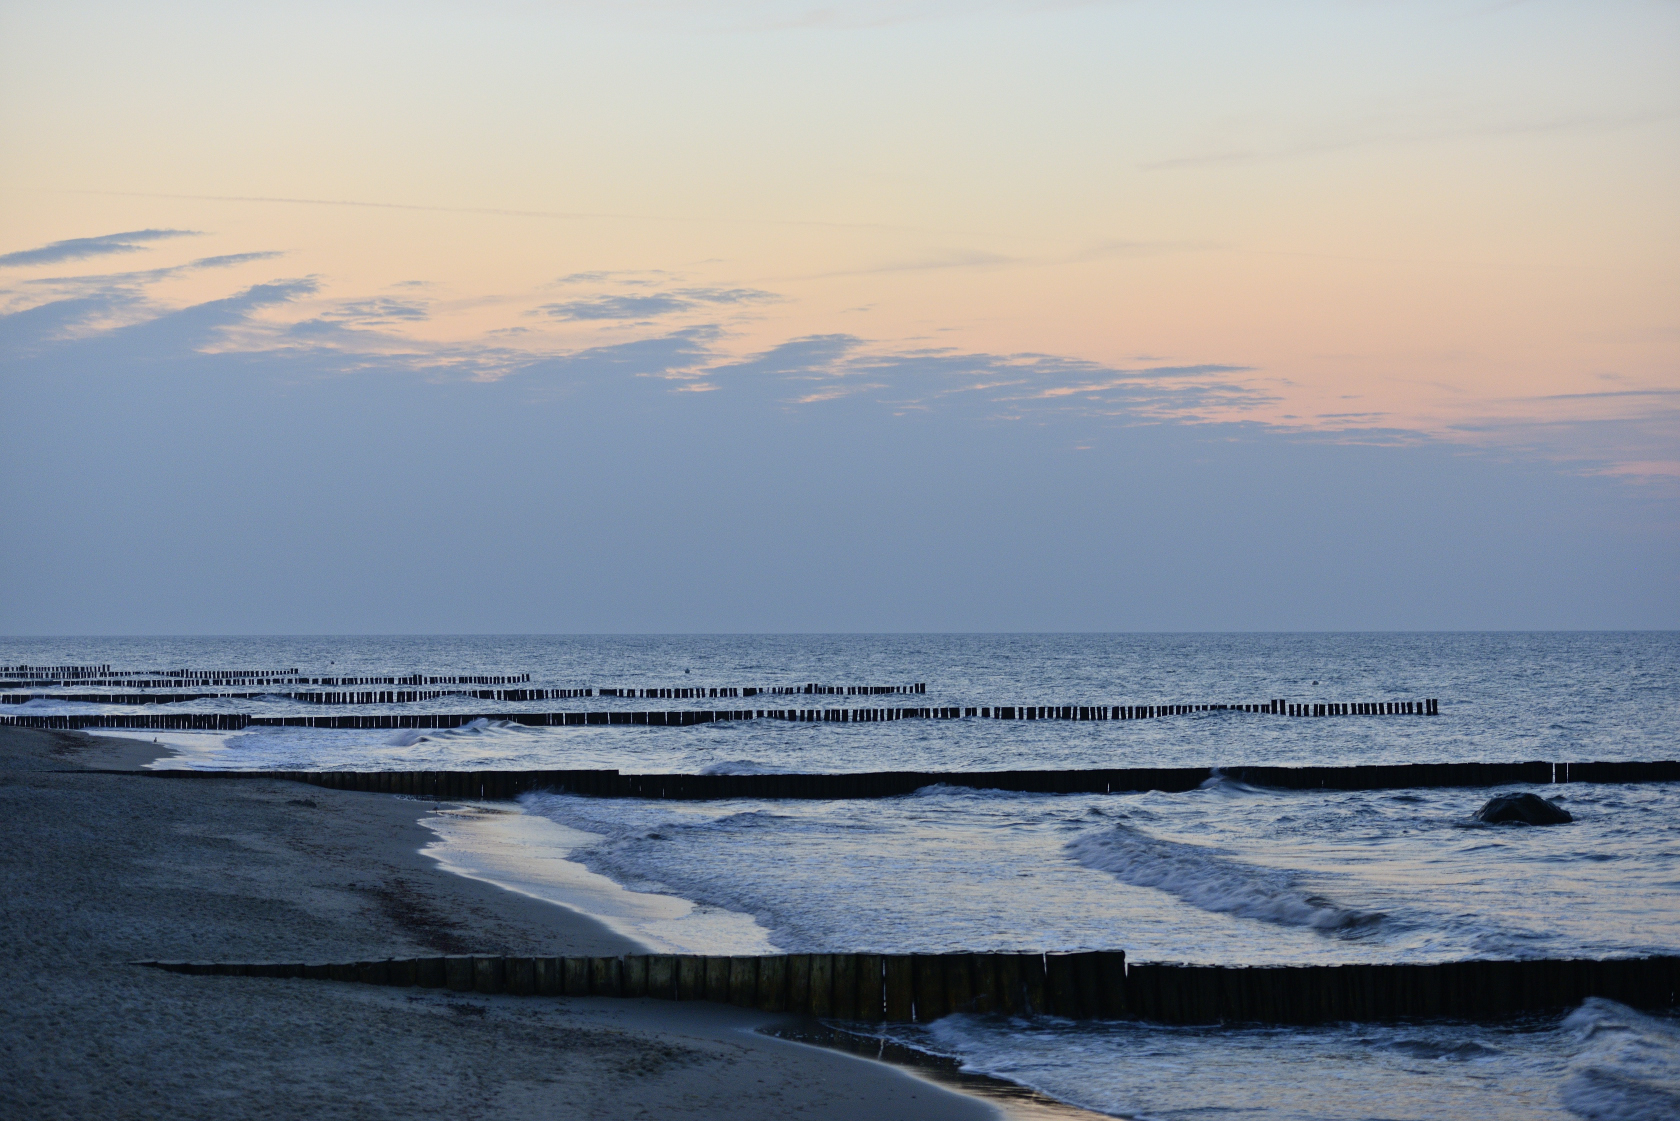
x: 102, y: 870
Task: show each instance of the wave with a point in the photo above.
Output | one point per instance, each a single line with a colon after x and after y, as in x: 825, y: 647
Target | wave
x: 1204, y: 878
x: 1628, y: 1068
x: 742, y: 767
x: 1221, y: 783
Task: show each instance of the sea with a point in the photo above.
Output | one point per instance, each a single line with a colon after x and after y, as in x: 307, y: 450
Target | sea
x: 1224, y: 874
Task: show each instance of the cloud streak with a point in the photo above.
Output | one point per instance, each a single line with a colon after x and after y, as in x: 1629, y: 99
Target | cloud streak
x: 76, y: 248
x: 652, y: 305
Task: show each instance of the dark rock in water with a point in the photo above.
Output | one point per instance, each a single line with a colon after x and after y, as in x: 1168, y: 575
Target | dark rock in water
x: 1529, y: 809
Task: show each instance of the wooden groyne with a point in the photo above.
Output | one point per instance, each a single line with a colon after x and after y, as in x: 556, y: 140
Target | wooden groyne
x: 1098, y: 985
x: 175, y: 679
x: 315, y: 697
x: 411, y: 696
x: 27, y: 677
x: 233, y: 722
x: 503, y: 785
x: 809, y: 689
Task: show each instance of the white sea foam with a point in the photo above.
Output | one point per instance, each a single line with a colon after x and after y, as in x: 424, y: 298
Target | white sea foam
x: 534, y: 856
x: 1206, y: 878
x: 1628, y: 1068
x: 408, y: 737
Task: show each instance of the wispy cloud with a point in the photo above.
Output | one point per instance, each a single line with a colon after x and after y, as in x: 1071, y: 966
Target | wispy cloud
x: 380, y: 310
x: 78, y: 247
x: 141, y: 277
x: 823, y: 368
x: 651, y: 305
x: 947, y: 259
x: 801, y: 359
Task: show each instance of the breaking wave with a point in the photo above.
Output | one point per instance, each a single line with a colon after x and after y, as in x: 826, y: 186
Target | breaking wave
x: 1204, y: 878
x: 1628, y: 1068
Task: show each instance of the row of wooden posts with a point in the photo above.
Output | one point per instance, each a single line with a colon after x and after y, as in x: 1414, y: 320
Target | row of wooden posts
x: 901, y: 988
x: 362, y: 697
x: 232, y: 722
x: 410, y: 696
x: 503, y: 785
x: 684, y: 692
x: 174, y: 679
x: 102, y: 670
x: 82, y: 673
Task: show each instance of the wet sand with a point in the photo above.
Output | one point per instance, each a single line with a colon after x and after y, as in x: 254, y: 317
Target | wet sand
x: 101, y: 870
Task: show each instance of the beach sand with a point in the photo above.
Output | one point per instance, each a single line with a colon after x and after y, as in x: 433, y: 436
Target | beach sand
x: 102, y: 870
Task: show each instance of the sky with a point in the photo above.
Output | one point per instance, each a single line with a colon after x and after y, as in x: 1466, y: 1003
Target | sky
x: 723, y: 317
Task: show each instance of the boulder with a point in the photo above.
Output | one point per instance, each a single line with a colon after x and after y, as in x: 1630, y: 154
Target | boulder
x: 1527, y: 809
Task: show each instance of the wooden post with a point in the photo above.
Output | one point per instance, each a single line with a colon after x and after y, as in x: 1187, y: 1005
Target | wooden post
x: 773, y: 983
x: 691, y: 977
x: 1207, y: 986
x: 985, y: 982
x: 871, y: 1001
x: 717, y: 979
x: 928, y: 979
x: 1032, y: 982
x: 822, y: 984
x: 458, y: 974
x: 1111, y: 983
x: 576, y: 973
x: 519, y: 976
x: 1142, y: 992
x: 1062, y: 986
x: 900, y: 991
x: 799, y: 983
x: 549, y: 976
x: 636, y: 975
x: 959, y: 982
x: 606, y: 976
x: 845, y: 986
x: 1011, y: 996
x: 743, y: 981
x: 1088, y: 979
x: 429, y: 973
x: 662, y: 976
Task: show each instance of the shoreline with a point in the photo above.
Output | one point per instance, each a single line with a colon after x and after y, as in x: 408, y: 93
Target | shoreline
x: 104, y: 871
x: 506, y: 845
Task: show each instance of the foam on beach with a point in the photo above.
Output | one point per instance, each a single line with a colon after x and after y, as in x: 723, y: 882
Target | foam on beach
x: 530, y: 854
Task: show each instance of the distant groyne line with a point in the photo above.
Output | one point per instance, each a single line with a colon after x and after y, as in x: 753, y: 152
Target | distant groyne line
x: 411, y: 696
x: 233, y: 722
x: 903, y: 988
x: 318, y: 697
x: 88, y: 677
x: 505, y: 785
x: 288, y: 678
